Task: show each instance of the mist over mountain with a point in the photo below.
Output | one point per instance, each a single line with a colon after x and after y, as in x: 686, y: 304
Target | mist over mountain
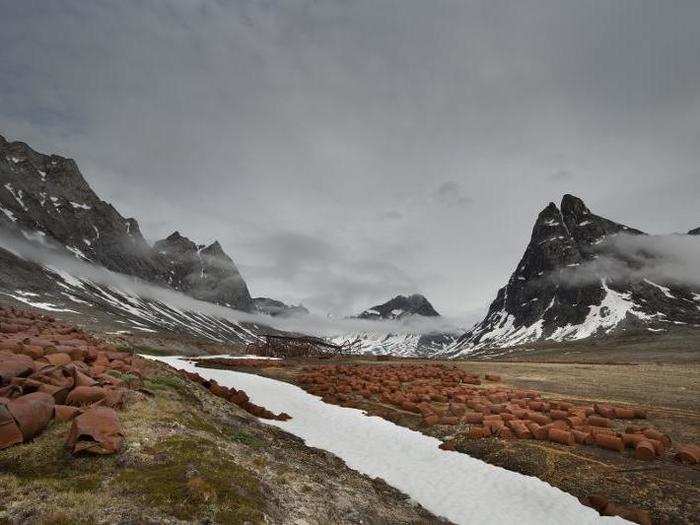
x: 46, y: 196
x: 583, y: 275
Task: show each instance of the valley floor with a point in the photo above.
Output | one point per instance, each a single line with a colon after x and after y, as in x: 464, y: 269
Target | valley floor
x: 670, y: 393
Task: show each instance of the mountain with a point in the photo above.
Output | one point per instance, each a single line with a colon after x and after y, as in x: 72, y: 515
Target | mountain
x: 564, y: 287
x: 45, y: 197
x: 204, y: 272
x: 416, y: 329
x: 276, y: 308
x: 696, y: 231
x: 65, y: 251
x: 399, y: 307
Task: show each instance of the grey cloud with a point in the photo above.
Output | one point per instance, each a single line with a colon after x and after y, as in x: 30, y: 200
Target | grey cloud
x: 662, y: 259
x: 451, y: 193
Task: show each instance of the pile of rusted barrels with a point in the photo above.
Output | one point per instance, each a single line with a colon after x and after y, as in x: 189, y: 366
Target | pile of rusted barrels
x: 237, y: 397
x: 448, y: 395
x: 49, y: 370
x: 223, y: 362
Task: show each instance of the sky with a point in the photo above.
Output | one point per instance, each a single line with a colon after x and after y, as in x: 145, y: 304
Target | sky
x: 346, y: 151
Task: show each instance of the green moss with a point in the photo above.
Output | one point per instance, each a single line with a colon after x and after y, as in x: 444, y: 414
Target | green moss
x: 195, y: 480
x: 196, y: 422
x: 168, y: 382
x: 147, y: 350
x: 46, y: 459
x: 247, y: 439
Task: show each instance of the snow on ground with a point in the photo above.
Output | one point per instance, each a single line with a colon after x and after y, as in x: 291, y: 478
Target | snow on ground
x: 25, y: 297
x: 9, y: 214
x: 663, y: 289
x: 450, y: 484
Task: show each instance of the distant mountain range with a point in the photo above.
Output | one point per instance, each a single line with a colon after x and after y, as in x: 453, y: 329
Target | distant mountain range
x: 574, y: 280
x: 276, y: 308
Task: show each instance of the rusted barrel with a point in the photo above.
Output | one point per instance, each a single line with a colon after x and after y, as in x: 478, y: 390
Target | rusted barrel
x: 644, y: 450
x: 559, y: 435
x: 609, y: 442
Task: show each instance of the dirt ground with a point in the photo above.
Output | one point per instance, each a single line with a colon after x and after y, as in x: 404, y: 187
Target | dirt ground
x: 670, y: 392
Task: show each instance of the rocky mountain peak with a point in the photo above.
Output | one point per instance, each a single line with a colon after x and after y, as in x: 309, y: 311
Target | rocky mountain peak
x: 543, y: 300
x: 47, y: 195
x: 696, y: 231
x: 175, y: 243
x: 275, y: 308
x: 399, y: 307
x: 215, y: 250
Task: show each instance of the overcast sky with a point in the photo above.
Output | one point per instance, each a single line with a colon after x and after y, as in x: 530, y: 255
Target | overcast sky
x: 346, y: 151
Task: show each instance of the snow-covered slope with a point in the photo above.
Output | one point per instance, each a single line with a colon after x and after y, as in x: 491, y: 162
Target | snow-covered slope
x: 92, y: 296
x: 579, y: 278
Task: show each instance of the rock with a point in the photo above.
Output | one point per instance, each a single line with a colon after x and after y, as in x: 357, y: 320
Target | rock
x: 96, y: 431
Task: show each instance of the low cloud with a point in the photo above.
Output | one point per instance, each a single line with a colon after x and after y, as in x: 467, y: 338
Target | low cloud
x: 663, y: 259
x: 53, y: 257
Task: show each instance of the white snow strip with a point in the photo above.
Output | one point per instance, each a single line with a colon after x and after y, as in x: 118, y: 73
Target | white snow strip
x: 664, y: 290
x: 9, y: 214
x: 77, y: 252
x: 42, y: 174
x: 81, y: 206
x: 18, y: 195
x: 450, y: 484
x: 36, y: 304
x: 75, y: 299
x: 26, y: 294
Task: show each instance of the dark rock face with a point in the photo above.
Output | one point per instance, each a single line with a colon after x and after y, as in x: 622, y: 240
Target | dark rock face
x: 400, y: 307
x: 276, y: 308
x: 548, y: 298
x: 204, y: 272
x: 696, y: 231
x: 46, y: 196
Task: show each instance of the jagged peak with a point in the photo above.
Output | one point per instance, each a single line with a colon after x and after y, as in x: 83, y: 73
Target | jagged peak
x: 215, y: 250
x: 414, y: 304
x: 572, y: 206
x: 175, y: 241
